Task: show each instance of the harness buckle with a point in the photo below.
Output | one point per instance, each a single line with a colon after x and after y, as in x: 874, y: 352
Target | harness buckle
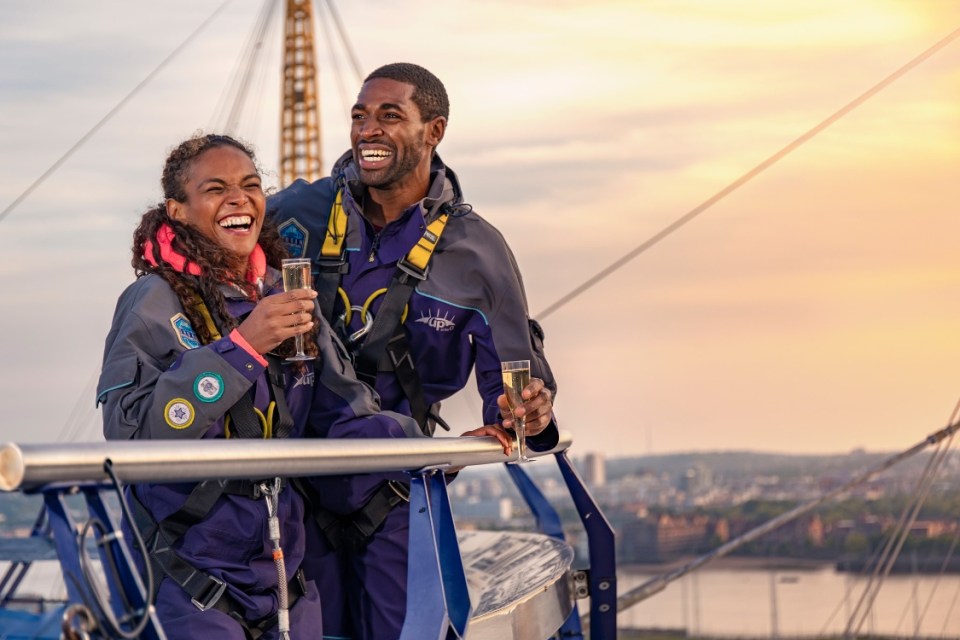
x: 212, y: 594
x: 331, y: 265
x: 402, y: 491
x: 412, y: 270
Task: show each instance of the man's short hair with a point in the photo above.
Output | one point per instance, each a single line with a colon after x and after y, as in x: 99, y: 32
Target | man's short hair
x: 429, y: 94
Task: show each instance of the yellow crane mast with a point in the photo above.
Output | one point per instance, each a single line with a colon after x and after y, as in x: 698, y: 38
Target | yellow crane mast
x: 300, y: 113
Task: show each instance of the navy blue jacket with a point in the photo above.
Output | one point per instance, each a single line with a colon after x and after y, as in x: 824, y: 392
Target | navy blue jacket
x: 159, y: 382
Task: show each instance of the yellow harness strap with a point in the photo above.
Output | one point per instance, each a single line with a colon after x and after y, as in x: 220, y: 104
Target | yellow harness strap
x: 333, y: 241
x: 207, y: 318
x: 419, y: 255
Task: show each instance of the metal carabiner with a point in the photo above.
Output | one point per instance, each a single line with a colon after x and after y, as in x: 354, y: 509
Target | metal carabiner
x: 355, y: 337
x: 81, y: 615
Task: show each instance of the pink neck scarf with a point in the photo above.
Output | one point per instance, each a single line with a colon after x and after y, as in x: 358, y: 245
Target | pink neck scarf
x: 256, y: 268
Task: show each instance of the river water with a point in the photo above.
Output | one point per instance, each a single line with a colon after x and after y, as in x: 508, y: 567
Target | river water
x: 753, y: 602
x: 804, y: 602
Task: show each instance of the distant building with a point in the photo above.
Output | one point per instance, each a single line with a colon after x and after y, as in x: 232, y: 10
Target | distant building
x: 595, y: 470
x: 662, y: 538
x: 696, y: 479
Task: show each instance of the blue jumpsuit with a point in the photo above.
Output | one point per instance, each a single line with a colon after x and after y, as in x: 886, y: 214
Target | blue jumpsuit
x: 159, y: 382
x: 467, y: 316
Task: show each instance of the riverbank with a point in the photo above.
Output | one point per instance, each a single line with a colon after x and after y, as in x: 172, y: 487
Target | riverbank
x: 733, y: 563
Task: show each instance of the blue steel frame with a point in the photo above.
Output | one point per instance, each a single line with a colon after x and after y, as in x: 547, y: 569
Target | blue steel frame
x: 125, y: 589
x: 18, y: 569
x: 437, y: 590
x: 600, y: 543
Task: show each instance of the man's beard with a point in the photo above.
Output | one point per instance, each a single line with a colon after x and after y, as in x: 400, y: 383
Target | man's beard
x: 395, y: 172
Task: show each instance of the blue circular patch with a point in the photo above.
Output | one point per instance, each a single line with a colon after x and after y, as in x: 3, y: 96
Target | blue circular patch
x: 208, y: 387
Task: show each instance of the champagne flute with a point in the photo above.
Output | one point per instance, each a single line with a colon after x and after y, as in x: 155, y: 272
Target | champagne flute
x: 297, y: 275
x: 516, y: 376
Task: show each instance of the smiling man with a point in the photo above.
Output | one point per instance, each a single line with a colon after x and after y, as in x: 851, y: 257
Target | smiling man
x: 423, y: 291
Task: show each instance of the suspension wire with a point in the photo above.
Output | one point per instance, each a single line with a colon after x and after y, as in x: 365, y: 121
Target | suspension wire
x: 253, y: 53
x: 934, y: 466
x: 219, y: 120
x: 254, y: 123
x: 912, y: 601
x: 345, y: 40
x: 943, y: 567
x: 873, y: 558
x: 953, y: 602
x: 79, y: 143
x: 936, y: 583
x: 900, y: 531
x: 83, y: 414
x: 345, y: 102
x: 659, y: 583
x: 749, y: 175
x: 870, y: 591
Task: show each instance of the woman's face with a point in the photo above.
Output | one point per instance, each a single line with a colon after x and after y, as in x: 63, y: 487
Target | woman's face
x: 225, y: 200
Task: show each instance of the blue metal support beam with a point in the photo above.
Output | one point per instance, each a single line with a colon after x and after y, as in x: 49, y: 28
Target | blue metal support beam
x: 601, y: 543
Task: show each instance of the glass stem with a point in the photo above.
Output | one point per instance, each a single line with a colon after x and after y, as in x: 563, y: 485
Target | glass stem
x: 521, y: 426
x: 298, y: 342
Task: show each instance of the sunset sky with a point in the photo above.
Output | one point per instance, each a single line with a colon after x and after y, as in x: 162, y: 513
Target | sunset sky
x: 815, y: 309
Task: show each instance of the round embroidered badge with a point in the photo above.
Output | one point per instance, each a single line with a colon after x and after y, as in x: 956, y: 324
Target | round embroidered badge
x: 179, y: 413
x: 208, y: 387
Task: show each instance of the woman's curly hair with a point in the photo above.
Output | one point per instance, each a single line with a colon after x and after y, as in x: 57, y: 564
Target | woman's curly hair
x: 212, y: 258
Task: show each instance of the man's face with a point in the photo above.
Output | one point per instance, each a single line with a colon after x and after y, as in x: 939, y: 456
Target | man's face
x: 388, y: 138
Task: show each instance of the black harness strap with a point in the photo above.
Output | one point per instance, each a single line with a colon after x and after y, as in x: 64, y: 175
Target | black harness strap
x: 204, y: 590
x: 243, y: 419
x: 278, y: 380
x: 197, y: 505
x: 354, y: 528
x: 398, y: 350
x: 385, y: 325
x: 254, y: 630
x: 362, y: 523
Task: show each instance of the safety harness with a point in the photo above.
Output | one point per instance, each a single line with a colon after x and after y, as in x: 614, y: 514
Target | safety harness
x: 243, y: 420
x: 382, y: 342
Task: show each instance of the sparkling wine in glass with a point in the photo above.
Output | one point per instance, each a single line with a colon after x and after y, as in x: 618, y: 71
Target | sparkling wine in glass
x: 297, y: 275
x: 516, y: 376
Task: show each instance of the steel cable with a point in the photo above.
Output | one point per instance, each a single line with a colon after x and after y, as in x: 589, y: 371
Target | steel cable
x: 900, y: 533
x: 79, y: 143
x: 749, y: 175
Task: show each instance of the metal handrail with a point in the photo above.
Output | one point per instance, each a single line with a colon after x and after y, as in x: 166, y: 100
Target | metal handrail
x: 26, y: 466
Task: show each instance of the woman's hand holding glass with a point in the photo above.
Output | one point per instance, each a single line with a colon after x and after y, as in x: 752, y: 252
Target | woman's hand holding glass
x: 277, y: 318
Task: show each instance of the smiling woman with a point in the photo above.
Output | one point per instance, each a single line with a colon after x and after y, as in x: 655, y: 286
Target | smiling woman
x: 223, y: 200
x: 195, y: 352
